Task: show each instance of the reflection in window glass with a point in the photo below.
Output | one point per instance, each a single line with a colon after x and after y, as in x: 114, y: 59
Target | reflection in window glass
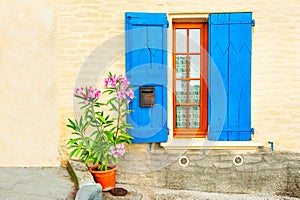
x: 194, y: 66
x: 180, y: 66
x: 181, y: 35
x: 194, y: 40
x: 180, y: 116
x: 194, y: 96
x: 194, y: 116
x: 181, y: 91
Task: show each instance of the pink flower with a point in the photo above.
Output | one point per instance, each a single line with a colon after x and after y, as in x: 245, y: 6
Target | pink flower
x: 130, y: 93
x: 110, y: 81
x: 88, y: 94
x: 117, y: 151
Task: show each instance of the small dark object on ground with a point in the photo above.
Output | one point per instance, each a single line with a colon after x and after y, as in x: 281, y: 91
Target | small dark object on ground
x: 118, y: 192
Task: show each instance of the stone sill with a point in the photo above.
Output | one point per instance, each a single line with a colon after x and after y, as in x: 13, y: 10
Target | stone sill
x: 201, y: 143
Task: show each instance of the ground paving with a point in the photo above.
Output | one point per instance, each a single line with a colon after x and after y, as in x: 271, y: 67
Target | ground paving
x: 55, y: 184
x: 35, y: 183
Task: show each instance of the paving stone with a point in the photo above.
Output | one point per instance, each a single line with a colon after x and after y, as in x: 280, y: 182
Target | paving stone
x: 35, y: 183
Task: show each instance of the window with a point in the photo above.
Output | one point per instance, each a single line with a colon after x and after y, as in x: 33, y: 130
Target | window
x: 189, y: 79
x: 211, y: 92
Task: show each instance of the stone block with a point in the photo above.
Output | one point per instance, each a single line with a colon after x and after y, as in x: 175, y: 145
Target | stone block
x: 271, y: 166
x: 247, y: 168
x: 84, y: 178
x: 223, y: 164
x: 92, y: 191
x: 269, y: 158
x: 78, y: 165
x: 252, y: 158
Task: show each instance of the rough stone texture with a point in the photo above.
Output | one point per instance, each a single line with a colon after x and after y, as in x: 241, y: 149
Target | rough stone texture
x: 90, y: 191
x: 232, y: 182
x: 275, y: 173
x: 83, y: 176
x: 35, y: 183
x: 153, y: 193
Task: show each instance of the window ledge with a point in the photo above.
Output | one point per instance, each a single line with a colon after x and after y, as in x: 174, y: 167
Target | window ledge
x: 199, y: 143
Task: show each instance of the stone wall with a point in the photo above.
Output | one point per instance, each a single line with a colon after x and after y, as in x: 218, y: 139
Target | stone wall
x: 262, y: 171
x: 90, y: 41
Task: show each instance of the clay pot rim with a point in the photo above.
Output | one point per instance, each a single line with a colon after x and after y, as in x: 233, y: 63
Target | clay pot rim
x: 113, y: 168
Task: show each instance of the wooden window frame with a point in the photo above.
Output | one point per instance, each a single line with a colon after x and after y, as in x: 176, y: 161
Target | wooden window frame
x: 202, y: 131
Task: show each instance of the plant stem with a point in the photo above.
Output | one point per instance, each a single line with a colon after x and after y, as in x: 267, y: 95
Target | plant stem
x: 118, y: 118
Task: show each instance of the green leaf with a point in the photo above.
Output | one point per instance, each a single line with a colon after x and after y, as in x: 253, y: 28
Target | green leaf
x: 86, y: 105
x: 79, y: 148
x: 74, y: 141
x: 113, y: 106
x: 101, y: 118
x: 72, y: 127
x: 72, y: 153
x: 71, y: 122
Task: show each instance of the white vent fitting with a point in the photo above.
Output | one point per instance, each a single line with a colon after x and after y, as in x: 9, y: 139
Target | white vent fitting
x: 183, y: 161
x: 238, y: 160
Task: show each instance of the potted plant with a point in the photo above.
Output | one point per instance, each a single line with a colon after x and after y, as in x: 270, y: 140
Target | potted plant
x: 98, y: 137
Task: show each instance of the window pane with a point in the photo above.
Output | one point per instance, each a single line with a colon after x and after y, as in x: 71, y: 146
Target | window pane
x: 180, y: 116
x: 194, y: 117
x: 194, y: 92
x: 195, y: 66
x: 194, y: 40
x: 180, y: 66
x: 181, y: 38
x: 181, y: 91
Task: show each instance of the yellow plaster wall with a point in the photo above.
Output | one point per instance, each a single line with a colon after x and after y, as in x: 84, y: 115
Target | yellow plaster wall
x: 29, y: 133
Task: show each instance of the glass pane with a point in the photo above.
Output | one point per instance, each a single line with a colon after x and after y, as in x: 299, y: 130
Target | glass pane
x: 194, y: 117
x: 180, y: 66
x: 194, y: 92
x: 194, y: 40
x: 195, y: 66
x: 180, y: 116
x: 181, y: 35
x: 181, y: 91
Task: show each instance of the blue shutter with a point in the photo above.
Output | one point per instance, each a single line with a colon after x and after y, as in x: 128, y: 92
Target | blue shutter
x: 230, y: 76
x: 146, y: 65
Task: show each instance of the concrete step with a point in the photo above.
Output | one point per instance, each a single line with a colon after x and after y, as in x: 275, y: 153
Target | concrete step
x: 82, y: 176
x: 137, y: 192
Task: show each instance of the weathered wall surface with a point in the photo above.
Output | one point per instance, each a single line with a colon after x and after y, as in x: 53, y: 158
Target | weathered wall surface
x: 29, y: 127
x: 262, y: 171
x: 48, y: 47
x: 90, y: 36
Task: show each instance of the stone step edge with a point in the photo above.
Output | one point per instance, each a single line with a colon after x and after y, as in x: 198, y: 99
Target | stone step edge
x: 84, y: 181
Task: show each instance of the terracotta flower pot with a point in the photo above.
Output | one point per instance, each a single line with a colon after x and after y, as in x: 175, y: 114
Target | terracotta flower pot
x: 107, y: 179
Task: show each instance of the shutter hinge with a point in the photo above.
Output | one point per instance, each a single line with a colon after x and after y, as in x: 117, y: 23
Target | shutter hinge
x: 253, y: 22
x: 252, y: 131
x: 168, y: 131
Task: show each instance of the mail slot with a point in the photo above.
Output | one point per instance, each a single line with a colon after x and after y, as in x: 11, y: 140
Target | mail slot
x: 146, y: 96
